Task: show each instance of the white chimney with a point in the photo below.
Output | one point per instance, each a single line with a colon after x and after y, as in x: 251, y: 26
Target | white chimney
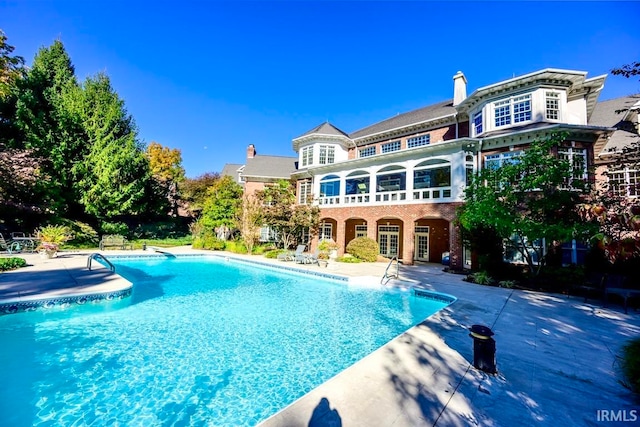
x: 459, y: 88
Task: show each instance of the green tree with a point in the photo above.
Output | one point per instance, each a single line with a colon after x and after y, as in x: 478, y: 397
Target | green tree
x: 249, y: 221
x: 194, y: 191
x: 287, y: 218
x: 534, y: 197
x: 11, y: 67
x: 47, y: 126
x: 115, y: 175
x: 221, y: 205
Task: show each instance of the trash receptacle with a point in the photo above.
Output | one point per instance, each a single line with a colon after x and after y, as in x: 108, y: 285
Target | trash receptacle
x: 484, y: 349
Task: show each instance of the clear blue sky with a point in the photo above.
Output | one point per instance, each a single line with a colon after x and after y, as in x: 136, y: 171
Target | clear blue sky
x: 210, y: 78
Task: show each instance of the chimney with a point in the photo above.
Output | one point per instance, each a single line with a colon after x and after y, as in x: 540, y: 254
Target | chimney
x: 459, y: 88
x: 251, y: 151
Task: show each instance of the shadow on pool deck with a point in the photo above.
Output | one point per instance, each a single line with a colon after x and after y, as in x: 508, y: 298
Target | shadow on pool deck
x: 557, y: 357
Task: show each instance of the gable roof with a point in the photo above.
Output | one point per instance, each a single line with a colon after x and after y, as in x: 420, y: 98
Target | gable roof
x: 275, y: 167
x: 424, y: 114
x: 233, y: 170
x: 618, y: 113
x: 325, y: 128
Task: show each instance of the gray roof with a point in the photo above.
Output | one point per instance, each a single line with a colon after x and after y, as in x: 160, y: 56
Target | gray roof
x: 325, y: 128
x: 615, y: 113
x: 433, y: 111
x: 231, y: 169
x: 278, y: 167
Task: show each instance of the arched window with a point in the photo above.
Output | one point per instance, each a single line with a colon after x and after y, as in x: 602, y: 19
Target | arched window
x: 330, y: 186
x: 357, y: 183
x: 391, y: 178
x: 432, y: 174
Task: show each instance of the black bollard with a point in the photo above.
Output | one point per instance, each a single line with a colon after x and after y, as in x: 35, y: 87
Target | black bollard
x: 484, y: 349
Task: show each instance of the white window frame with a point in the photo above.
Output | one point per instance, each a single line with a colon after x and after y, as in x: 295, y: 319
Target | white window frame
x: 361, y: 230
x: 307, y: 156
x: 624, y: 182
x: 367, y: 151
x: 325, y: 231
x: 577, y: 158
x: 513, y: 110
x: 306, y: 190
x: 390, y: 147
x: 327, y: 154
x: 501, y: 158
x: 419, y: 141
x: 477, y: 123
x: 552, y: 105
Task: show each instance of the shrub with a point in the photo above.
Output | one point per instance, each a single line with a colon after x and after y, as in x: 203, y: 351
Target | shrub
x: 482, y: 278
x: 119, y: 228
x: 56, y: 235
x: 348, y: 259
x: 160, y: 230
x: 235, y: 246
x: 12, y: 263
x: 208, y: 240
x: 363, y: 248
x: 631, y: 364
x: 82, y: 234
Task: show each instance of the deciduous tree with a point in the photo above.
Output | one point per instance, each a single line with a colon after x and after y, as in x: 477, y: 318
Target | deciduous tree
x: 167, y: 171
x: 527, y: 200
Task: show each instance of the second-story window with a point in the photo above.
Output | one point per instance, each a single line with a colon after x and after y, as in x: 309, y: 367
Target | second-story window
x: 305, y: 192
x: 624, y: 182
x: 330, y: 186
x: 327, y: 154
x: 391, y: 146
x: 494, y: 161
x: 516, y: 109
x: 418, y: 141
x: 367, y: 151
x: 307, y: 156
x: 552, y: 105
x: 577, y: 158
x: 477, y: 122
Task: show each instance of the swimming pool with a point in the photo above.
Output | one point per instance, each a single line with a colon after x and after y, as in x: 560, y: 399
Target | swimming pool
x: 201, y: 341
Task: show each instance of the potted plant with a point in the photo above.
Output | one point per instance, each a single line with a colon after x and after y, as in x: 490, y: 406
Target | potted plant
x: 328, y: 249
x: 51, y: 237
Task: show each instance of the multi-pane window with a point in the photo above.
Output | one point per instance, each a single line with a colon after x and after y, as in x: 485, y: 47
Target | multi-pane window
x: 367, y: 151
x: 552, y: 105
x: 418, y: 141
x: 513, y: 110
x: 305, y: 192
x: 307, y: 156
x: 361, y: 231
x: 522, y: 109
x: 494, y: 161
x: 624, y: 182
x: 327, y: 154
x: 477, y: 122
x: 502, y: 111
x: 577, y: 158
x: 390, y: 146
x: 325, y: 231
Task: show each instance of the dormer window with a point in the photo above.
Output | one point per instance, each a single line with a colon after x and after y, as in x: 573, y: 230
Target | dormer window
x: 327, y: 154
x: 516, y: 109
x: 552, y: 110
x: 307, y: 156
x: 477, y: 122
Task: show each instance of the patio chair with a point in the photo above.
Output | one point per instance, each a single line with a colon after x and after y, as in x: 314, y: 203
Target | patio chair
x: 286, y: 256
x: 299, y: 256
x: 310, y: 258
x: 8, y: 245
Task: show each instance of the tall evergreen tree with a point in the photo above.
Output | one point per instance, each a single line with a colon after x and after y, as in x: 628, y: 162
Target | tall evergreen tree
x: 115, y: 174
x: 47, y: 126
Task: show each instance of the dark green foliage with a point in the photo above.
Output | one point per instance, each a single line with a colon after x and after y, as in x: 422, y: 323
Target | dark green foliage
x: 172, y: 229
x: 115, y: 228
x: 364, y: 248
x: 82, y: 234
x: 482, y: 278
x: 631, y: 364
x: 12, y: 263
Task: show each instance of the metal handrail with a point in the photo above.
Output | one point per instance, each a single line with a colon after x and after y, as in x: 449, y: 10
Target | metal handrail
x: 388, y: 276
x: 96, y: 255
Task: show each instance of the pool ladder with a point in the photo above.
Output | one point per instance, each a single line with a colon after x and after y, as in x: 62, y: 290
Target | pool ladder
x: 388, y: 275
x: 97, y: 255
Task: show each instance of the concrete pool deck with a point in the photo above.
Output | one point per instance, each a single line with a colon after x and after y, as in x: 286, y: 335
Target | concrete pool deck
x: 557, y: 357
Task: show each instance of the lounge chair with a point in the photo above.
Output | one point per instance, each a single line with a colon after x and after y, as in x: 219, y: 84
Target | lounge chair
x: 287, y: 256
x: 300, y: 256
x: 309, y: 258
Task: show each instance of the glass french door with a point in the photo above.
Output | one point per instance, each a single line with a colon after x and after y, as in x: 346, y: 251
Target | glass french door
x: 422, y: 243
x: 388, y: 240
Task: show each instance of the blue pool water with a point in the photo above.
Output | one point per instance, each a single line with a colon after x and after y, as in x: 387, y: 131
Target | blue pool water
x: 201, y: 341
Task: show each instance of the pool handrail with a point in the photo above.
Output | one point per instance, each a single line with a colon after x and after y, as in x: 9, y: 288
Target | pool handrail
x: 388, y: 276
x: 97, y: 255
